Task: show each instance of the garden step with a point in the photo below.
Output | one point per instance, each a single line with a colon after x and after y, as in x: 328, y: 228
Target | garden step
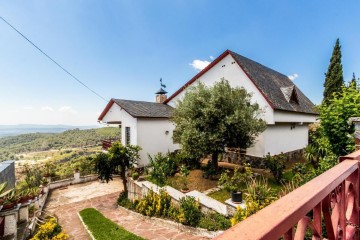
x: 209, y: 202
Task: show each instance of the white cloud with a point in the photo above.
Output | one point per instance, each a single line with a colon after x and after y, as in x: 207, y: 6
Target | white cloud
x: 199, y: 64
x: 211, y: 57
x: 293, y: 76
x: 47, y: 108
x: 67, y: 109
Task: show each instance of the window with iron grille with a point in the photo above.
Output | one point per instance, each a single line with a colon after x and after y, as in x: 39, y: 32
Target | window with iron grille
x: 127, y: 135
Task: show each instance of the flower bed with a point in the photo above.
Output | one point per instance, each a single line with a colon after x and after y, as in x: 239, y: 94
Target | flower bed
x: 186, y: 212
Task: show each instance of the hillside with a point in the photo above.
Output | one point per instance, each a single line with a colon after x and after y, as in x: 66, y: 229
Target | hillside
x: 32, y: 142
x: 13, y: 130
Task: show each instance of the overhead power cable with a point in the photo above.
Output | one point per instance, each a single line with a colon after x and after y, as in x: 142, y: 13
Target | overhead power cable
x: 51, y: 59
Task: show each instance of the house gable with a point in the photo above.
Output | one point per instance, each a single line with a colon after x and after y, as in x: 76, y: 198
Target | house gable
x: 228, y: 69
x: 268, y: 82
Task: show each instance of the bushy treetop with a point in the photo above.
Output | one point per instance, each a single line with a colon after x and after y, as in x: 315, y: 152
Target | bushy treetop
x: 209, y: 119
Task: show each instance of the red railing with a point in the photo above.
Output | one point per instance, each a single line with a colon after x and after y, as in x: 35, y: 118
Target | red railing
x: 106, y: 143
x: 333, y: 198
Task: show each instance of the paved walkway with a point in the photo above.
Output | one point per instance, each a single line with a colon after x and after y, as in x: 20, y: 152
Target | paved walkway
x: 106, y: 204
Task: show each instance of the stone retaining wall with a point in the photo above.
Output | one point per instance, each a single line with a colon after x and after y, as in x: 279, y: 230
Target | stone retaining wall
x: 238, y: 157
x: 138, y: 189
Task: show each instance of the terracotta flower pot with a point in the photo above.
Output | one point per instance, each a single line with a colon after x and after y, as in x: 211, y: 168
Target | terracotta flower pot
x: 185, y: 190
x: 9, y: 206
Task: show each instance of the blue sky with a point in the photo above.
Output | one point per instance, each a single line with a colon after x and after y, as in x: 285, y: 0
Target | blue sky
x: 121, y: 49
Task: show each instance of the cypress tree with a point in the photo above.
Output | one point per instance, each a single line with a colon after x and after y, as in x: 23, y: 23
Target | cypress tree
x: 353, y: 80
x: 334, y: 79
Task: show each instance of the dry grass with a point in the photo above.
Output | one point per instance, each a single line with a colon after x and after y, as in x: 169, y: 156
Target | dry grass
x: 195, y: 181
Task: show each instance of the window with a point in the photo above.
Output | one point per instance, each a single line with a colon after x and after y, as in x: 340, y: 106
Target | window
x: 127, y: 135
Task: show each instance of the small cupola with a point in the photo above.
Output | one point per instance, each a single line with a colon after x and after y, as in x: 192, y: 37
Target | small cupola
x: 161, y: 93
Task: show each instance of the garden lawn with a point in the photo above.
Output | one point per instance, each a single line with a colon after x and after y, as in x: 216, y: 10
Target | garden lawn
x: 221, y: 195
x: 104, y: 229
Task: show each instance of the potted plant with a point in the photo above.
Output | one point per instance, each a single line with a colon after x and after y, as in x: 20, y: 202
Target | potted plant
x: 184, y: 173
x: 23, y: 196
x: 234, y: 183
x: 11, y: 199
x: 32, y: 210
x: 2, y: 191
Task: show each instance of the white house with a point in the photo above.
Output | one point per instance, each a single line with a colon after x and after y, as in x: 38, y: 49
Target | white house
x: 287, y: 110
x: 145, y: 124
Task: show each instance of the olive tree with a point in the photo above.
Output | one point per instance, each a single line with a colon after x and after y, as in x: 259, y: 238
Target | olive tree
x: 119, y: 157
x: 208, y: 119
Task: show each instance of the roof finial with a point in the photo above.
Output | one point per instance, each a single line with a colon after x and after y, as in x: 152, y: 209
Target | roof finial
x: 161, y: 84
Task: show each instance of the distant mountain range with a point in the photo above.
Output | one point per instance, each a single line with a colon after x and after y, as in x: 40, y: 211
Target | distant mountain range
x: 13, y: 130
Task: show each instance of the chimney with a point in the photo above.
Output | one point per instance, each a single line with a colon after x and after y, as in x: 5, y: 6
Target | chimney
x: 161, y: 95
x: 356, y: 122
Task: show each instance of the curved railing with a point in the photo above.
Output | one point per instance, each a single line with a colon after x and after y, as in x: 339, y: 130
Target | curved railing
x: 333, y: 198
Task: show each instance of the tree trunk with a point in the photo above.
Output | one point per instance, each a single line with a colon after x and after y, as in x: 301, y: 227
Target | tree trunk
x: 214, y: 161
x: 124, y: 179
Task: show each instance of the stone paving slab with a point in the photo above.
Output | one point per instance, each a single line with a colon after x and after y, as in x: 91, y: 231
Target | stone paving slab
x: 69, y: 220
x: 80, y: 192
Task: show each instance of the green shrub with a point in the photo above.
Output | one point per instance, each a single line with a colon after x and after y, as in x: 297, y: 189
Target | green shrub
x: 173, y: 213
x: 214, y: 222
x: 236, y: 182
x: 135, y: 175
x: 299, y: 168
x: 189, y: 213
x: 125, y: 202
x: 184, y: 173
x: 162, y: 167
x: 276, y: 164
x: 181, y: 158
x: 258, y: 195
x: 50, y: 230
x: 153, y: 204
x: 259, y: 190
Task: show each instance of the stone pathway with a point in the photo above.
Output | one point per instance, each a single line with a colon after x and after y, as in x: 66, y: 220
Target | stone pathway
x: 69, y: 220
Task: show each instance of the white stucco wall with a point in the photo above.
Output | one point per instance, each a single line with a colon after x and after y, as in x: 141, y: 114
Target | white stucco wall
x: 153, y: 139
x: 258, y: 148
x: 281, y: 138
x: 237, y: 78
x: 115, y: 114
x: 283, y: 116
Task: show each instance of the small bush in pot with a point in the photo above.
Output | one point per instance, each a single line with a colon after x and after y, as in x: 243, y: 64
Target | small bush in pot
x: 184, y: 173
